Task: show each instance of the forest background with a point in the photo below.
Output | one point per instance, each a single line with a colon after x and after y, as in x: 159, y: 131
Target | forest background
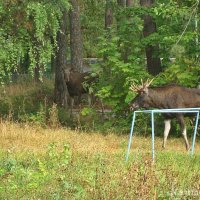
x: 47, y: 153
x: 122, y: 41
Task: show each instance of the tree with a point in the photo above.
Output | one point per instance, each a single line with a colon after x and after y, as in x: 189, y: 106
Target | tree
x: 108, y: 15
x: 121, y: 3
x: 123, y: 25
x: 75, y: 37
x: 129, y: 3
x: 152, y: 50
x: 61, y: 93
x: 27, y: 31
x: 127, y: 50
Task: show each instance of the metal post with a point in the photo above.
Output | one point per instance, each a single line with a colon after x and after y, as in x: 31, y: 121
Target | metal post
x: 152, y: 126
x: 196, y: 29
x: 131, y: 135
x: 195, y: 133
x: 178, y: 110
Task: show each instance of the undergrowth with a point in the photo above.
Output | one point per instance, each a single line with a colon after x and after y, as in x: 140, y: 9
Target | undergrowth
x: 27, y: 102
x: 61, y: 173
x: 58, y: 163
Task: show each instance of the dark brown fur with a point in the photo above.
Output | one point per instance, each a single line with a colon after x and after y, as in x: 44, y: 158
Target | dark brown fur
x: 75, y: 83
x: 168, y: 97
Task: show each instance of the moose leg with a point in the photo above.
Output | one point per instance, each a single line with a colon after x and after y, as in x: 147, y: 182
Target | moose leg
x: 183, y: 130
x: 79, y: 101
x: 166, y: 131
x: 72, y: 104
x: 89, y: 100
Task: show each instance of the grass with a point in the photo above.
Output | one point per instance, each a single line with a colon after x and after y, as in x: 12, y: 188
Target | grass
x: 42, y: 163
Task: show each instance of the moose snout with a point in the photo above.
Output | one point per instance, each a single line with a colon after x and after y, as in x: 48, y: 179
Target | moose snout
x: 133, y: 106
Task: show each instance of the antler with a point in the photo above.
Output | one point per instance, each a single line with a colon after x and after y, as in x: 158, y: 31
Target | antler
x: 148, y: 82
x: 134, y: 87
x: 139, y: 88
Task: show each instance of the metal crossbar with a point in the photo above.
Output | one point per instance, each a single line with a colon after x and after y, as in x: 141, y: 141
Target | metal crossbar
x: 177, y: 110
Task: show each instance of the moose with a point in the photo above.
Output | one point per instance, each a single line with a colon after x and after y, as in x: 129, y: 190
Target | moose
x: 166, y: 97
x: 75, y: 84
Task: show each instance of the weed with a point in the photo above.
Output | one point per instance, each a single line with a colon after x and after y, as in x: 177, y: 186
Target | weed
x: 63, y: 164
x: 53, y: 116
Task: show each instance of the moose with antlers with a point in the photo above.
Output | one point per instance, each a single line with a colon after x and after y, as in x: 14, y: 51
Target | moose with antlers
x: 166, y: 97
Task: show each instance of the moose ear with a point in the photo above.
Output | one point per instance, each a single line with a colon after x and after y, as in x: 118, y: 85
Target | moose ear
x: 66, y: 73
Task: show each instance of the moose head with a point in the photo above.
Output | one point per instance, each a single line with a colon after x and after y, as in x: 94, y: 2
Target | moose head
x: 142, y: 99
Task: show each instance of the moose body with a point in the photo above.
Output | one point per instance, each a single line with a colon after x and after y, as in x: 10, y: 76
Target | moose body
x: 75, y: 84
x: 167, y: 97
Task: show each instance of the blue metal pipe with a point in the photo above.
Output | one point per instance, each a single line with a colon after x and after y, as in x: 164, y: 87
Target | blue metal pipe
x: 153, y: 134
x: 177, y: 110
x: 195, y: 133
x: 131, y: 135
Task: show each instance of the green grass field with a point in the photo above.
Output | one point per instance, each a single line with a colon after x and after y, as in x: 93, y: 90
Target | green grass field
x: 38, y: 163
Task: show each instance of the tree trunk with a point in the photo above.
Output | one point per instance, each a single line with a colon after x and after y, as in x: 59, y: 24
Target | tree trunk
x: 108, y: 15
x: 53, y: 59
x: 75, y: 37
x: 53, y: 64
x: 37, y: 73
x: 108, y: 25
x: 121, y: 3
x: 127, y: 50
x: 37, y: 65
x: 129, y: 3
x: 61, y: 92
x: 152, y: 51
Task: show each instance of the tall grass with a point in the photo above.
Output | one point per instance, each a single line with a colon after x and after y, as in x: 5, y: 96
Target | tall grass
x: 39, y: 159
x: 44, y: 163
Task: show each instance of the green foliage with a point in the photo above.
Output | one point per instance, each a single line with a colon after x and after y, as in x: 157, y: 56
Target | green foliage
x: 64, y: 117
x: 117, y: 75
x: 122, y: 49
x: 182, y: 72
x: 176, y: 29
x: 25, y: 102
x: 28, y: 28
x: 59, y: 174
x: 39, y: 118
x: 28, y: 38
x: 123, y: 62
x: 28, y: 176
x: 92, y: 22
